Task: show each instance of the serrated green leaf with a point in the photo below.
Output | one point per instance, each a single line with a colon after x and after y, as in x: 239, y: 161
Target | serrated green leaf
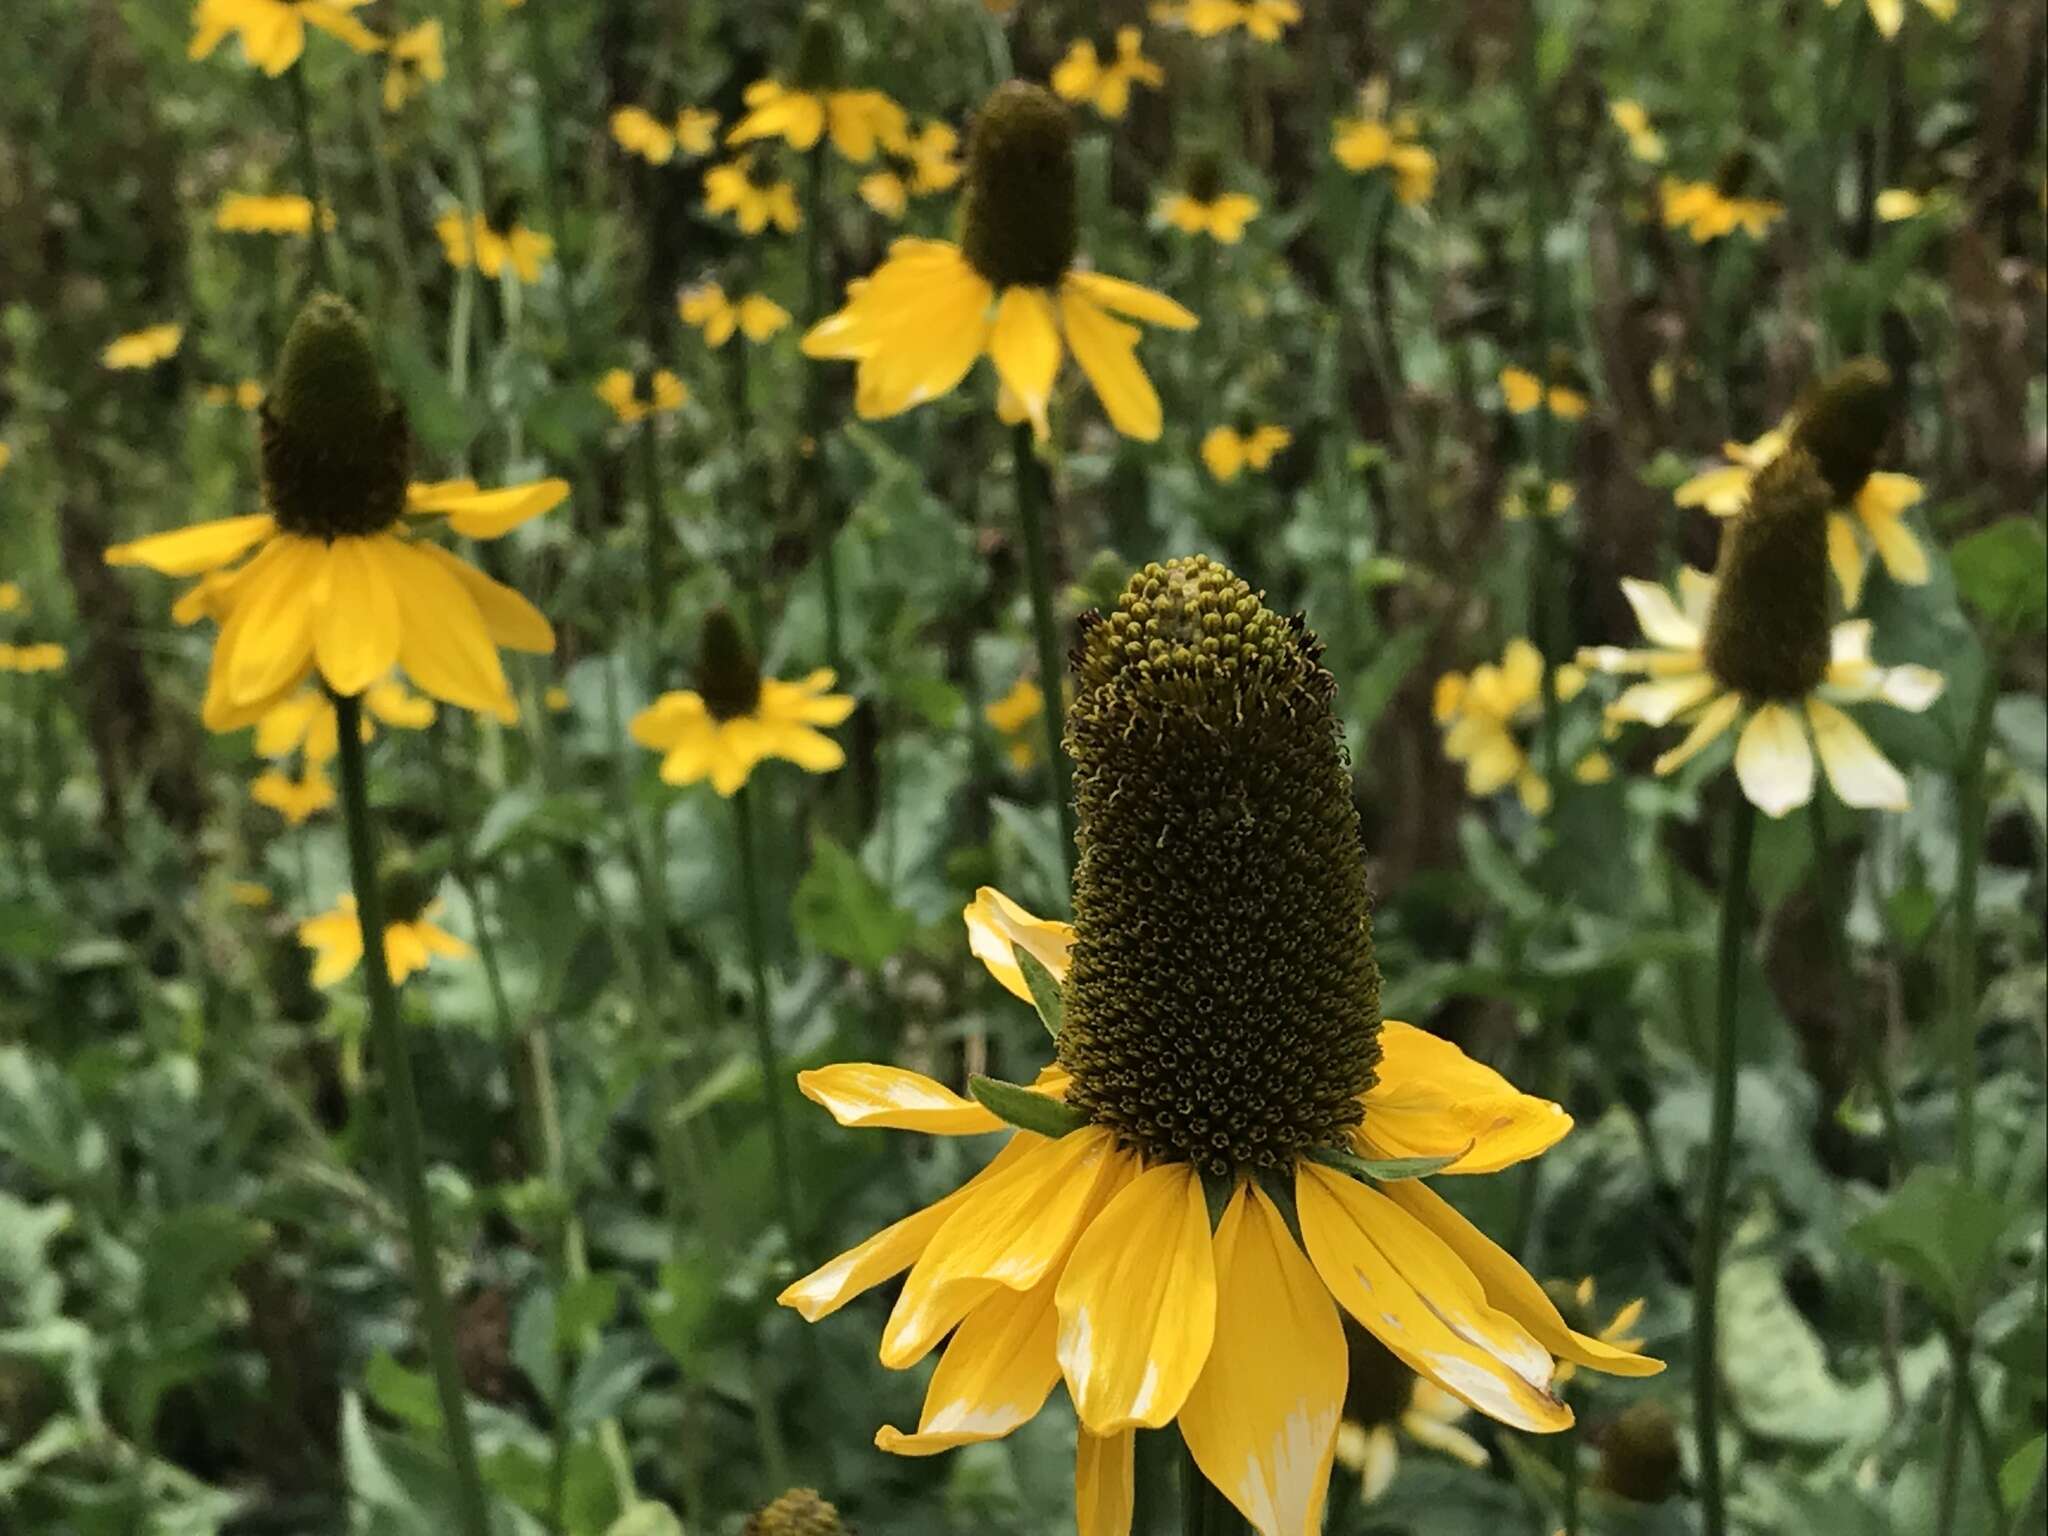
x: 1045, y: 992
x: 1024, y: 1109
x: 1381, y: 1170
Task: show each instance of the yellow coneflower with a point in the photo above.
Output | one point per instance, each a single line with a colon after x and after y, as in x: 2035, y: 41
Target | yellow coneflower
x: 336, y: 939
x: 469, y: 239
x: 1205, y: 209
x: 1371, y: 141
x: 1521, y: 392
x: 696, y: 130
x: 640, y: 132
x: 1265, y: 21
x: 735, y: 718
x: 284, y: 213
x: 273, y: 32
x: 1706, y: 212
x: 1890, y: 15
x: 1217, y: 1031
x: 1644, y: 141
x: 306, y: 724
x: 144, y: 348
x: 1870, y: 505
x: 1558, y: 500
x: 1228, y: 453
x: 41, y: 656
x: 1750, y: 647
x: 334, y: 581
x: 927, y: 164
x: 858, y: 122
x: 1481, y: 714
x: 1082, y: 76
x: 1386, y: 1400
x: 620, y: 390
x: 297, y: 800
x: 705, y: 306
x: 1012, y: 715
x: 1009, y: 290
x: 414, y: 63
x: 755, y: 196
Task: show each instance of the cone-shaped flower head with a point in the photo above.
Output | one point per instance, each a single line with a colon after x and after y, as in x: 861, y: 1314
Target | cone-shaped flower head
x: 1223, y: 1007
x: 1639, y: 1456
x: 1844, y: 422
x: 819, y: 51
x: 336, y: 449
x: 1767, y: 632
x: 799, y: 1512
x: 1018, y: 226
x: 728, y: 672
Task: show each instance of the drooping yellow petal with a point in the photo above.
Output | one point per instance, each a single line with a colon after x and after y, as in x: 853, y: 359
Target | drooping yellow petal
x: 275, y: 643
x: 1663, y: 700
x: 994, y: 1376
x: 1105, y: 1483
x: 446, y: 647
x: 1133, y: 299
x: 356, y: 632
x: 1261, y: 1423
x: 202, y: 547
x: 1846, y: 558
x: 1025, y: 348
x: 1659, y: 615
x: 1707, y: 728
x: 1860, y: 774
x: 1431, y: 1094
x: 1106, y: 349
x: 862, y: 1094
x: 509, y: 619
x: 1137, y: 1303
x: 1773, y: 761
x: 1904, y: 560
x: 997, y: 928
x: 478, y: 514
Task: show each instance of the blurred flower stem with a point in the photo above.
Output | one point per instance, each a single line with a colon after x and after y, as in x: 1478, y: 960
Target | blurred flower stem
x: 817, y: 291
x: 1542, y: 569
x: 1031, y: 509
x: 740, y: 503
x: 659, y: 537
x: 1712, y: 1233
x: 764, y: 1028
x: 1568, y: 1467
x: 408, y: 1138
x: 1833, y: 920
x: 390, y: 211
x: 1970, y: 815
x: 328, y: 268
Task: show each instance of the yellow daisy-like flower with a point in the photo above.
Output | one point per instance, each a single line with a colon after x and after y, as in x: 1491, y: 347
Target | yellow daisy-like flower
x: 415, y: 62
x: 927, y: 164
x: 273, y: 32
x: 244, y: 394
x: 43, y: 656
x: 1010, y: 290
x: 753, y: 194
x: 556, y: 698
x: 336, y: 938
x: 1221, y: 218
x: 1012, y: 716
x: 1521, y: 392
x: 1706, y: 213
x: 1890, y: 15
x: 1082, y: 76
x: 1514, y: 505
x: 696, y: 130
x: 705, y: 306
x: 640, y: 132
x: 144, y: 348
x: 859, y: 122
x: 619, y: 389
x: 1228, y: 452
x: 1265, y: 21
x: 285, y: 213
x: 704, y: 739
x: 306, y: 722
x: 1372, y: 141
x: 1219, y: 1055
x: 296, y: 800
x: 1644, y: 141
x: 1482, y: 712
x: 468, y: 239
x: 12, y: 598
x: 1620, y: 1329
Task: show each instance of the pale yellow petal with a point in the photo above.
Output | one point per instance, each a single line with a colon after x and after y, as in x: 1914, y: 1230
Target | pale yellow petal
x: 994, y: 1376
x: 1860, y: 774
x: 1132, y: 299
x: 997, y: 928
x: 1708, y: 726
x: 1431, y: 1098
x: 1773, y: 760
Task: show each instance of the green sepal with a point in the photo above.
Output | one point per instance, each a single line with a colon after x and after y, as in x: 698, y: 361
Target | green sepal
x: 1380, y: 1170
x: 1045, y: 991
x: 1217, y: 1190
x: 1026, y: 1110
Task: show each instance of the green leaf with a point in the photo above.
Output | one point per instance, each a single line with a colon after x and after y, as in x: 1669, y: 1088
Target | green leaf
x: 407, y: 1395
x: 2022, y: 1470
x: 839, y: 908
x: 2002, y: 572
x: 1380, y: 1170
x: 1217, y: 1188
x: 1045, y: 991
x: 585, y: 1306
x: 1024, y: 1109
x: 1941, y: 1233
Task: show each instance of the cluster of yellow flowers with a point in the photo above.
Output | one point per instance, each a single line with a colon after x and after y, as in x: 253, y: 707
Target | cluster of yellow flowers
x: 694, y: 132
x: 1084, y: 76
x: 1482, y: 713
x: 1371, y: 141
x: 469, y: 240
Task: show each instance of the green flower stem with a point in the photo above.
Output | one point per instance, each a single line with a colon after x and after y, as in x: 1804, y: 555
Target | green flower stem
x: 390, y: 212
x: 1833, y: 916
x: 327, y: 261
x: 408, y: 1138
x: 1714, y: 1197
x: 659, y: 538
x: 1052, y: 671
x: 1568, y: 1464
x: 1970, y: 814
x: 747, y: 513
x: 1964, y: 1412
x: 816, y: 300
x: 764, y: 1034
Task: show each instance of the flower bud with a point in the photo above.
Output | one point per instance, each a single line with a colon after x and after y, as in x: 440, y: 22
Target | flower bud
x: 728, y: 672
x: 818, y: 51
x: 336, y: 449
x: 1843, y: 423
x: 1767, y: 633
x: 799, y: 1512
x: 1018, y: 225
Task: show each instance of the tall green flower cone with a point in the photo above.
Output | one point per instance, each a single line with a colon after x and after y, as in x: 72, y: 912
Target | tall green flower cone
x: 337, y: 452
x: 728, y: 672
x: 1767, y: 634
x: 1844, y: 422
x: 1018, y: 223
x: 1223, y: 1006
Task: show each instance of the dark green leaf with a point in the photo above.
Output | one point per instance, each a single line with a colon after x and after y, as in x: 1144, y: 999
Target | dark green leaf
x: 844, y: 912
x: 1381, y: 1170
x: 2002, y: 572
x: 1024, y: 1109
x: 1045, y: 991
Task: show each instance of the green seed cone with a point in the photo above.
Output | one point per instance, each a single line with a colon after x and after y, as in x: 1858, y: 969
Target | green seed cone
x: 728, y: 672
x: 1639, y: 1457
x: 1018, y: 223
x: 336, y: 449
x: 1223, y: 1006
x: 1767, y: 633
x: 818, y: 51
x: 799, y: 1512
x: 1844, y: 422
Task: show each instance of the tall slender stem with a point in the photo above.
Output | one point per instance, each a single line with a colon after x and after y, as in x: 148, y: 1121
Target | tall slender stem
x: 1720, y: 1141
x: 764, y: 1032
x: 326, y: 262
x: 815, y: 300
x: 1568, y: 1457
x: 1970, y: 813
x: 408, y: 1138
x: 659, y: 537
x: 1868, y: 1038
x: 1052, y: 671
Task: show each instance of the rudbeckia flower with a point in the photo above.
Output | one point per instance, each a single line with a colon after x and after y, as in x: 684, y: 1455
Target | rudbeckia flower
x: 753, y: 194
x: 756, y: 317
x: 285, y: 213
x: 859, y: 122
x: 244, y: 394
x: 1890, y: 15
x: 640, y: 132
x: 1266, y: 21
x: 620, y: 390
x: 1082, y: 76
x: 296, y: 800
x: 336, y: 939
x: 414, y: 63
x: 1514, y: 503
x: 1386, y: 1397
x: 1370, y: 141
x: 696, y: 130
x: 306, y: 724
x: 1222, y: 1079
x: 1483, y: 712
x: 332, y: 579
x: 1228, y: 452
x: 1221, y: 217
x: 1644, y: 141
x: 1012, y: 715
x: 1618, y: 1331
x: 1706, y: 213
x: 1010, y: 290
x: 1521, y: 392
x: 43, y: 656
x: 144, y: 348
x: 273, y: 32
x: 468, y: 239
x: 927, y: 164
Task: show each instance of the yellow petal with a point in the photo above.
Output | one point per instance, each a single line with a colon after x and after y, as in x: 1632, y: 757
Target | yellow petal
x: 355, y: 636
x: 1025, y: 347
x: 1662, y: 621
x: 1431, y: 1098
x: 1846, y: 558
x: 1106, y: 349
x: 275, y: 640
x: 1132, y: 299
x: 1773, y: 761
x: 1904, y: 560
x: 1105, y: 1483
x: 1707, y: 728
x: 1261, y: 1422
x: 995, y: 1375
x: 1137, y: 1303
x: 202, y: 547
x: 997, y: 928
x: 509, y: 619
x: 479, y: 514
x: 1861, y: 774
x: 864, y: 1094
x: 446, y: 648
x: 1664, y: 700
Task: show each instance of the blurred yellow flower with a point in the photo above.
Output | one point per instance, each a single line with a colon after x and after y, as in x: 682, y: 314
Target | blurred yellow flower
x: 245, y: 393
x: 248, y: 893
x: 1514, y: 505
x: 414, y: 62
x: 1644, y: 141
x: 46, y: 656
x: 1890, y: 15
x: 1896, y: 203
x: 724, y: 745
x: 859, y: 122
x: 753, y: 194
x: 296, y: 800
x: 696, y: 130
x: 6, y: 455
x: 1521, y: 393
x: 273, y: 32
x: 1263, y: 20
x: 556, y: 698
x: 1620, y: 1331
x: 285, y: 213
x: 1228, y: 452
x: 144, y: 348
x: 1010, y: 716
x: 620, y: 390
x: 12, y: 598
x: 927, y: 164
x: 468, y: 239
x: 640, y: 132
x: 1221, y: 218
x: 1481, y: 712
x: 705, y: 306
x: 1429, y: 1416
x: 336, y: 939
x: 306, y: 722
x: 1706, y: 213
x: 1371, y: 141
x: 1083, y: 77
